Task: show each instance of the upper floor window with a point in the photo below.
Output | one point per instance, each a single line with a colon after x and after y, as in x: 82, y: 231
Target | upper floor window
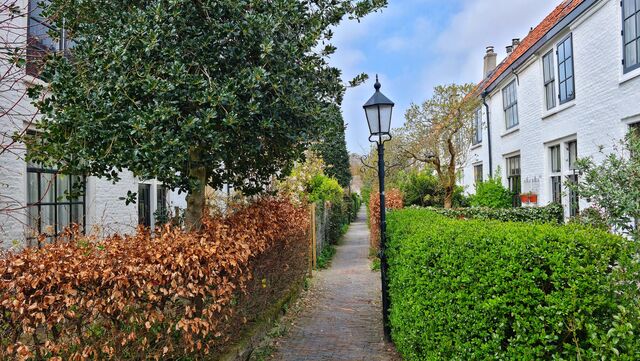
x: 631, y: 34
x: 510, y: 102
x: 477, y: 127
x: 42, y: 38
x: 565, y: 70
x: 549, y: 80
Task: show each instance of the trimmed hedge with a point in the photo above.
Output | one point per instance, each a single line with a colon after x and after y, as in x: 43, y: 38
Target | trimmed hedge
x: 177, y: 296
x: 552, y: 213
x: 487, y: 290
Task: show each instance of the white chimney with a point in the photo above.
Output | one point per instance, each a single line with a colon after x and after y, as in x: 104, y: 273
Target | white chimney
x: 490, y: 61
x: 515, y: 43
x: 509, y: 49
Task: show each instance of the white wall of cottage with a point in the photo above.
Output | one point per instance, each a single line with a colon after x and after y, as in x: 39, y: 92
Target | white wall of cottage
x: 606, y: 103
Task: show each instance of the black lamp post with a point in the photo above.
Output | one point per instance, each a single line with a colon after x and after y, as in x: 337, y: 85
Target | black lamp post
x: 378, y: 111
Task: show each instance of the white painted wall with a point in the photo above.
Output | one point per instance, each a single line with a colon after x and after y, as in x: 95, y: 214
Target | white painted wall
x: 606, y: 103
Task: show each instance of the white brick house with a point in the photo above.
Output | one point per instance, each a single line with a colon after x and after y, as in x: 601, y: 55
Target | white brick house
x: 566, y: 90
x: 32, y: 199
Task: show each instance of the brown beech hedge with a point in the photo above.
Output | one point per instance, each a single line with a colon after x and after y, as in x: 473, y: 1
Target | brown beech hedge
x: 393, y: 200
x: 175, y: 296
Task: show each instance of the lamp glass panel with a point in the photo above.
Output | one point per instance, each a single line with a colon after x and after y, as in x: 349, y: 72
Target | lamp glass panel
x: 372, y: 118
x: 385, y: 118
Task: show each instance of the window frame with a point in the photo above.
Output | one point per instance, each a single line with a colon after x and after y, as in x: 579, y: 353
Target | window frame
x: 562, y: 62
x: 144, y: 205
x: 549, y: 83
x: 572, y: 177
x: 477, y: 127
x: 512, y: 178
x: 555, y: 174
x: 478, y: 173
x: 625, y: 68
x: 35, y: 49
x: 53, y: 187
x: 510, y: 103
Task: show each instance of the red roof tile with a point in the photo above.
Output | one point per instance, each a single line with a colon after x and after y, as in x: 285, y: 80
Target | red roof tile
x: 531, y: 39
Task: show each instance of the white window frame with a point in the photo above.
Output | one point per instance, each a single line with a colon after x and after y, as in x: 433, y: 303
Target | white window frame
x: 510, y: 104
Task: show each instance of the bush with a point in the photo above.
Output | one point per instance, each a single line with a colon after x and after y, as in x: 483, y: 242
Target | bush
x: 488, y: 290
x: 422, y: 188
x: 323, y: 188
x: 338, y: 218
x: 176, y: 296
x: 393, y: 200
x: 492, y: 194
x: 553, y: 213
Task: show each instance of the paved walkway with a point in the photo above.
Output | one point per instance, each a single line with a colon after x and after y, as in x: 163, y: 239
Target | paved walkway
x: 343, y: 321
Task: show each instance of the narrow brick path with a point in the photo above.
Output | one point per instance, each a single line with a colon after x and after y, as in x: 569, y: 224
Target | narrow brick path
x: 343, y: 321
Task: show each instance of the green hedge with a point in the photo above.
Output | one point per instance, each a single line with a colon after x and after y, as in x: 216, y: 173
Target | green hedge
x: 488, y: 290
x: 552, y: 213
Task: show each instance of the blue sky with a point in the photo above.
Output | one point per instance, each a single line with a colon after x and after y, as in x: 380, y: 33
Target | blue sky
x: 415, y: 45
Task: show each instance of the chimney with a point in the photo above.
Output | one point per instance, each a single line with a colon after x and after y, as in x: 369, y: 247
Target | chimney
x: 515, y: 43
x: 509, y: 49
x: 490, y: 61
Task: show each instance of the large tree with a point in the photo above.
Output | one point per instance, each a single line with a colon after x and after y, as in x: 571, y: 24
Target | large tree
x: 191, y: 92
x: 440, y: 132
x: 332, y: 148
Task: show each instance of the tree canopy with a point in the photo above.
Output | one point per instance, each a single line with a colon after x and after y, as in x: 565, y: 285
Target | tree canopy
x: 332, y: 148
x: 192, y: 93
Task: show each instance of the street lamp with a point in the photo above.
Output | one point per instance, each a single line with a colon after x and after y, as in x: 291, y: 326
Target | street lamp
x: 378, y: 111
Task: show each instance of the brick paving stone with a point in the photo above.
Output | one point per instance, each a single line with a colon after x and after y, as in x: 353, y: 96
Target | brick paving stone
x: 343, y: 322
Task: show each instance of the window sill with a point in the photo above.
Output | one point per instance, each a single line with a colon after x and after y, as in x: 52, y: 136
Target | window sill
x: 476, y: 146
x: 558, y: 109
x: 32, y: 80
x: 629, y: 76
x: 511, y: 131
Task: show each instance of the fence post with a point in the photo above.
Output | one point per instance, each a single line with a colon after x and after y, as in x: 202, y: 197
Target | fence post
x: 312, y: 263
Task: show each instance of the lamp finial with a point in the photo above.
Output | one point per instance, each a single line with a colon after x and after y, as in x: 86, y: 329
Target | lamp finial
x: 377, y: 85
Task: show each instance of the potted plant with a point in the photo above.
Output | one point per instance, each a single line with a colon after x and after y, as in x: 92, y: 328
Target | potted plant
x: 533, y: 198
x: 524, y: 198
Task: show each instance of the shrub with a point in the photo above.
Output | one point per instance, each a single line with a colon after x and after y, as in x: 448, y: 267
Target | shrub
x: 176, y: 296
x: 422, y: 188
x: 393, y: 200
x: 488, y: 290
x: 338, y: 218
x: 323, y: 188
x: 492, y: 194
x: 552, y: 213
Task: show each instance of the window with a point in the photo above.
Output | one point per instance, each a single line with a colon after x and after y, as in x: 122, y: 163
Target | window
x: 510, y: 102
x: 514, y: 179
x: 556, y: 174
x: 478, y: 173
x: 39, y: 41
x: 54, y: 201
x: 477, y: 127
x: 565, y: 70
x: 144, y: 205
x: 549, y: 80
x: 631, y: 34
x: 574, y: 201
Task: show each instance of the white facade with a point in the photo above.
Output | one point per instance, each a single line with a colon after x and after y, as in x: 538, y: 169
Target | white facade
x: 606, y: 104
x: 103, y: 207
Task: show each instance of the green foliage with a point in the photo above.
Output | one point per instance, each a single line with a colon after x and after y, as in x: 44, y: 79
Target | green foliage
x: 213, y: 91
x: 323, y: 188
x: 488, y: 290
x: 552, y: 213
x: 333, y: 148
x: 325, y: 257
x: 423, y: 189
x: 591, y: 217
x: 492, y: 194
x: 613, y: 185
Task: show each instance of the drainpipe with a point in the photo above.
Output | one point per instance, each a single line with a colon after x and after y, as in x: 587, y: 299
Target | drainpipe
x: 484, y: 101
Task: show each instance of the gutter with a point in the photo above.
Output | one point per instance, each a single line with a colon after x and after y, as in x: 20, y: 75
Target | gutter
x: 484, y: 101
x: 571, y: 17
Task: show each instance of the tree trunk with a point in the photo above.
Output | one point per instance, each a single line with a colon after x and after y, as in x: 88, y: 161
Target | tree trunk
x: 196, y: 197
x: 448, y: 197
